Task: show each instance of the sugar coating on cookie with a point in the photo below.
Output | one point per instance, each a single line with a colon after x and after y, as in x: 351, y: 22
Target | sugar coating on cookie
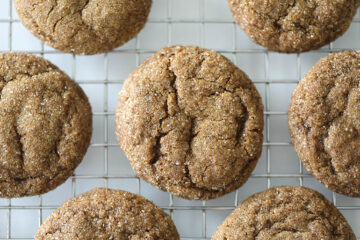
x: 324, y: 122
x: 83, y: 26
x: 45, y: 125
x: 108, y: 214
x: 190, y: 122
x: 285, y: 213
x: 293, y: 26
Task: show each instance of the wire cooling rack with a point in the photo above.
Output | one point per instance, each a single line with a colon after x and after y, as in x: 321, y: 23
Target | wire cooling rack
x: 207, y: 23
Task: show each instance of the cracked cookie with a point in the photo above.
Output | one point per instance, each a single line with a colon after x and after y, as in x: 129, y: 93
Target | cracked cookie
x: 190, y: 122
x: 108, y: 214
x: 84, y: 26
x: 285, y: 213
x: 45, y: 125
x: 293, y: 26
x: 324, y: 122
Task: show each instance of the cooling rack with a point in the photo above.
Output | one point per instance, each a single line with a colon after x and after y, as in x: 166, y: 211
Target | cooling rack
x: 207, y: 23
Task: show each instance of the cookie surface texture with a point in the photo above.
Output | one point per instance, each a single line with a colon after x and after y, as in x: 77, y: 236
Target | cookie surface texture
x: 285, y: 213
x: 103, y: 214
x: 293, y: 26
x: 45, y: 125
x: 324, y: 122
x: 190, y: 122
x: 83, y: 26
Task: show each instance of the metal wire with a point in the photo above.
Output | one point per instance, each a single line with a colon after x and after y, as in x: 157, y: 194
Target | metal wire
x: 105, y: 145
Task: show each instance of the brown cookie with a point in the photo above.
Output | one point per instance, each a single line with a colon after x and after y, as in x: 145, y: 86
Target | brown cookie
x: 83, y: 26
x: 285, y: 213
x: 45, y: 125
x: 190, y: 122
x: 324, y: 122
x: 293, y: 26
x: 108, y: 214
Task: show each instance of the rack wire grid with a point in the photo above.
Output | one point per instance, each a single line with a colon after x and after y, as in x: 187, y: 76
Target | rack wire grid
x: 209, y: 24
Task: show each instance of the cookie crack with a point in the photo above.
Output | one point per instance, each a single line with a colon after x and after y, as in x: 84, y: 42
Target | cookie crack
x: 190, y: 129
x: 328, y: 124
x: 157, y: 147
x: 86, y: 4
x: 280, y: 30
x: 157, y: 152
x: 56, y: 145
x: 173, y: 86
x: 26, y: 74
x: 69, y: 121
x: 312, y: 217
x: 88, y: 26
x: 192, y: 133
x: 40, y: 32
x: 241, y: 120
x: 57, y: 22
x: 53, y: 7
x: 21, y: 147
x: 190, y: 150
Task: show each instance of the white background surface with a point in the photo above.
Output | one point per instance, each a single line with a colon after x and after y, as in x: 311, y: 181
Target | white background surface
x: 207, y: 23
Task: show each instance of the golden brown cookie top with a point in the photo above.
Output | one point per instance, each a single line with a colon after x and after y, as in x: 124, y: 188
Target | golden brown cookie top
x: 84, y: 26
x: 103, y: 214
x: 293, y: 25
x: 324, y: 121
x: 285, y: 213
x: 45, y: 125
x: 190, y: 122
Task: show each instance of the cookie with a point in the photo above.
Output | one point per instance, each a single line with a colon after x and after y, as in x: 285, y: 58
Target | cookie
x: 293, y: 26
x: 108, y: 214
x: 285, y: 213
x: 83, y: 26
x: 190, y: 122
x: 45, y: 125
x: 324, y: 122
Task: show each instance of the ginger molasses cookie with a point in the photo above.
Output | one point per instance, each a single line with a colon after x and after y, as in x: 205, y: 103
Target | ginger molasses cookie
x: 285, y: 213
x: 190, y: 122
x: 324, y: 122
x: 293, y: 26
x: 83, y: 26
x: 108, y: 214
x: 45, y: 125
